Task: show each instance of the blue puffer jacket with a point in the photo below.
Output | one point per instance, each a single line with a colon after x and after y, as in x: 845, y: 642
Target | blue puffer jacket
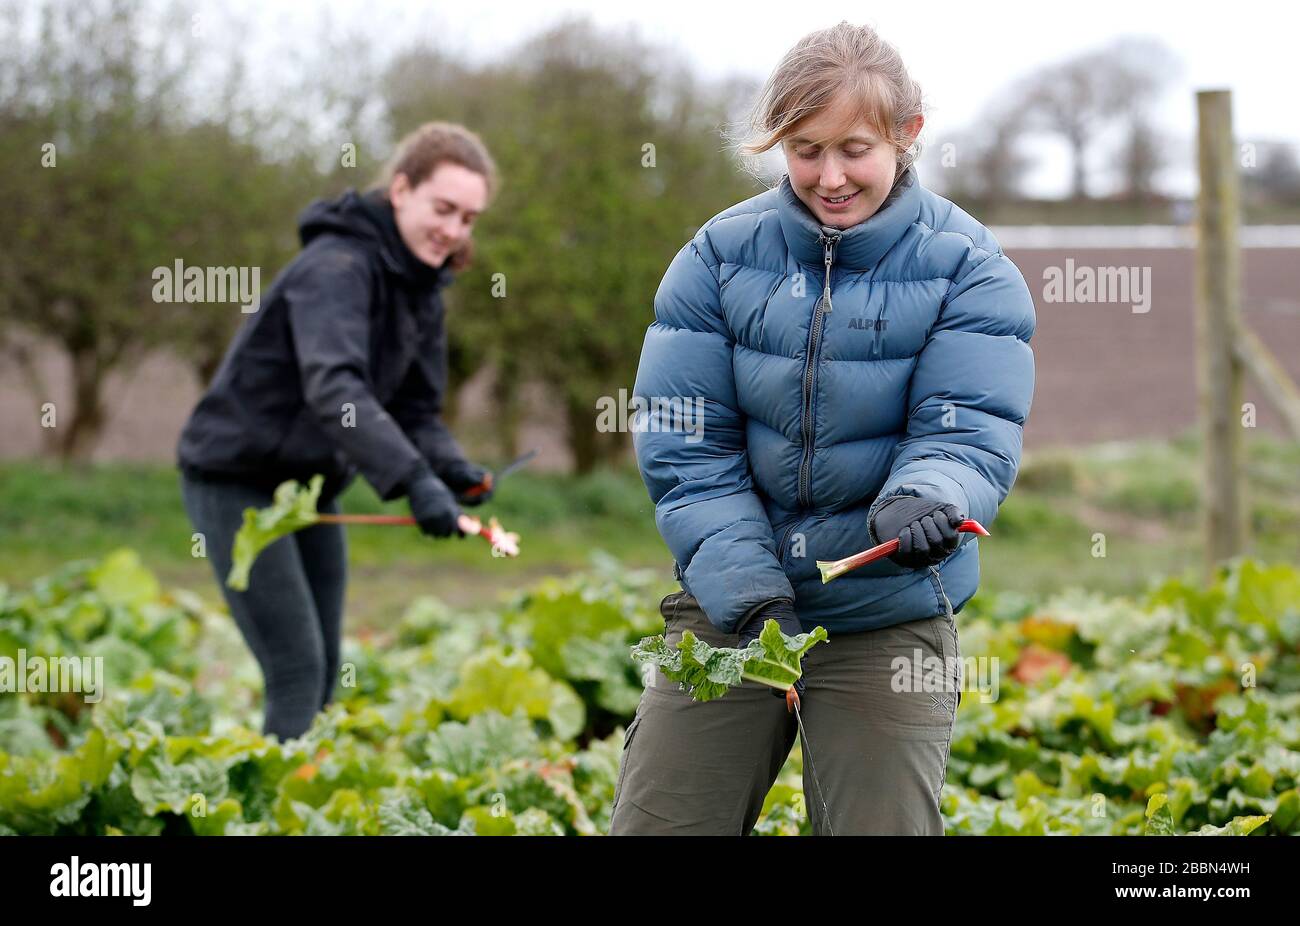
x: 830, y: 370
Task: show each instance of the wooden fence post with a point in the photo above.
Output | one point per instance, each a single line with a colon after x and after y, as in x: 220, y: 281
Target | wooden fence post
x: 1218, y: 323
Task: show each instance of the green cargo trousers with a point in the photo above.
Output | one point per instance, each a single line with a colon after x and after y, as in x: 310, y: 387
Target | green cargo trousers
x: 878, y: 712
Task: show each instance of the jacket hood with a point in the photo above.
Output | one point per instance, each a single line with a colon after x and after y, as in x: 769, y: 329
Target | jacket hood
x: 861, y: 246
x: 369, y: 217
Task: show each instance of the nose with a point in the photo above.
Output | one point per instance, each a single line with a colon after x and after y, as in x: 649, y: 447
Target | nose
x: 455, y: 230
x: 832, y: 176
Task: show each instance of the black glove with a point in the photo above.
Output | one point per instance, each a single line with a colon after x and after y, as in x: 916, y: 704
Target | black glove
x: 433, y: 505
x: 463, y: 476
x: 926, y: 529
x: 782, y: 611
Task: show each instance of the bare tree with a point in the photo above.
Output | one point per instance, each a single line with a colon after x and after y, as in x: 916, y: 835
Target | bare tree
x: 1080, y: 98
x: 999, y: 163
x: 986, y: 161
x: 1275, y: 175
x: 1141, y: 70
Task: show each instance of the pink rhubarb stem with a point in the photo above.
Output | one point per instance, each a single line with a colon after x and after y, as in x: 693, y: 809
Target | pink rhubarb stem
x: 836, y: 568
x: 508, y: 543
x: 367, y: 519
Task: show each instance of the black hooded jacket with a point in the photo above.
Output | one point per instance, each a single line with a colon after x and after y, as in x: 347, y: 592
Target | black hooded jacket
x: 342, y: 369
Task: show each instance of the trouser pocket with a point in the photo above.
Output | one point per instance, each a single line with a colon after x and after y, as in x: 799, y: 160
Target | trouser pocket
x: 628, y: 735
x: 668, y: 606
x: 958, y: 679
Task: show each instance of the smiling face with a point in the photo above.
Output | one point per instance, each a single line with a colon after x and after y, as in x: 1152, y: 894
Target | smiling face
x: 435, y: 218
x: 842, y: 169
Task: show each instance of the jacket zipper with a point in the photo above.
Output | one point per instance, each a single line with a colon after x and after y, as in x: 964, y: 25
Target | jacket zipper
x: 785, y: 540
x: 810, y: 369
x: 877, y: 347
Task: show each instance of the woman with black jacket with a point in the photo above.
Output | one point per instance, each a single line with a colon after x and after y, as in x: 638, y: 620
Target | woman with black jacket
x: 342, y: 370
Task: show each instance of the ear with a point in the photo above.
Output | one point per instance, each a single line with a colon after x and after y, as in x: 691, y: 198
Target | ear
x: 399, y: 188
x: 913, y: 129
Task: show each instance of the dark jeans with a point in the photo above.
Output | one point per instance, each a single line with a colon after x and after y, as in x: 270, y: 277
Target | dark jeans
x: 291, y: 616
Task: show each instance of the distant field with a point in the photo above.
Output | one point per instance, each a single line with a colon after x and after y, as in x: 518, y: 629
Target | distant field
x: 1143, y: 497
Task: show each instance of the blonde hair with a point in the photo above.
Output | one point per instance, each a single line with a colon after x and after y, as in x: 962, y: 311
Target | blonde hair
x: 821, y: 65
x: 422, y: 151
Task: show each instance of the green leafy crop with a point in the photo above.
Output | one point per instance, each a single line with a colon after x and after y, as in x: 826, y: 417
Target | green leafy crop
x: 1177, y: 712
x: 707, y: 672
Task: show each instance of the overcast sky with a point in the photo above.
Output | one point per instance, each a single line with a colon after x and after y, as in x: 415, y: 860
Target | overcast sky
x: 960, y: 53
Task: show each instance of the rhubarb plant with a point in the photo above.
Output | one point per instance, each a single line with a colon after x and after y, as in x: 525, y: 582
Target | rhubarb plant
x: 294, y: 507
x: 708, y: 672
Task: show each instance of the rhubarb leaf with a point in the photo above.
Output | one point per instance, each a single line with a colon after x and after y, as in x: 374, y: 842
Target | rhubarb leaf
x: 707, y: 672
x: 293, y: 509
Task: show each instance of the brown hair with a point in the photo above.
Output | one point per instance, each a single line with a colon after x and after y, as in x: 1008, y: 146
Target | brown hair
x: 817, y: 68
x: 421, y: 152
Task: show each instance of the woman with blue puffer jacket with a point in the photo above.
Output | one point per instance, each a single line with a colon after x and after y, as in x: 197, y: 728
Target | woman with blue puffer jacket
x: 859, y: 347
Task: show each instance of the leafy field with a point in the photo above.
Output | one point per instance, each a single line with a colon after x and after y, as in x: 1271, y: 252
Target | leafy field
x: 1176, y: 711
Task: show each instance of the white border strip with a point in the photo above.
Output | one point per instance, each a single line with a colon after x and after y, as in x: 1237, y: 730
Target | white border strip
x: 1051, y: 237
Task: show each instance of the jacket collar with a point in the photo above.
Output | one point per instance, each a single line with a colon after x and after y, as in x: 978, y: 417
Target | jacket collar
x: 396, y: 255
x: 861, y: 246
